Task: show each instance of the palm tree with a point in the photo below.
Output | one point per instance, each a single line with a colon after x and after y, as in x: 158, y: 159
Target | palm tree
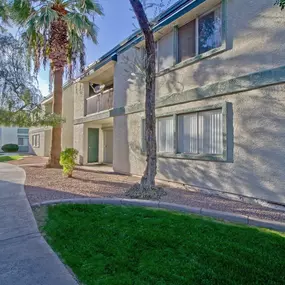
x: 54, y: 30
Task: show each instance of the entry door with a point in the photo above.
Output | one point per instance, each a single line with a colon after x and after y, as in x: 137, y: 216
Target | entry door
x: 108, y: 144
x: 93, y: 145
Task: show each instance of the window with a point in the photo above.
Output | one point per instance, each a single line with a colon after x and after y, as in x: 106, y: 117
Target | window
x: 200, y: 35
x: 201, y: 132
x: 165, y: 52
x: 20, y: 141
x: 191, y: 134
x: 210, y: 35
x: 23, y: 131
x: 36, y: 140
x: 186, y: 41
x: 188, y: 133
x: 165, y: 134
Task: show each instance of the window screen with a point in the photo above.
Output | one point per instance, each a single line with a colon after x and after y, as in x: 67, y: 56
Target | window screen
x: 186, y: 41
x: 165, y: 134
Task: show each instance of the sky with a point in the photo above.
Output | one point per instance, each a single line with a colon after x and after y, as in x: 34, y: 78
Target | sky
x: 116, y: 25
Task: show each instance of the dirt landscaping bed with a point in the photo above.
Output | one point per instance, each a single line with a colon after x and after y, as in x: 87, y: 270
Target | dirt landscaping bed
x: 49, y: 184
x: 30, y: 160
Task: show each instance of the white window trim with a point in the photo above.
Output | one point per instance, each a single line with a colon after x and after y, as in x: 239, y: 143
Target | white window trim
x: 36, y: 140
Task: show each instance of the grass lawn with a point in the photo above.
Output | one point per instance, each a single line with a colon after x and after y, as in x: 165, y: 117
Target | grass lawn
x: 129, y: 246
x: 5, y: 158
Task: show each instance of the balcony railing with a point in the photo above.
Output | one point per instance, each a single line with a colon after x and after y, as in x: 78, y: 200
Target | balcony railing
x: 100, y: 102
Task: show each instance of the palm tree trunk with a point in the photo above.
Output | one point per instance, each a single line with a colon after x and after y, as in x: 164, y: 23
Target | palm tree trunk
x: 56, y: 131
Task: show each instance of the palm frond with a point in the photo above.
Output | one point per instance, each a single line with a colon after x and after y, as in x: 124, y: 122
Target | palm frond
x: 37, y: 17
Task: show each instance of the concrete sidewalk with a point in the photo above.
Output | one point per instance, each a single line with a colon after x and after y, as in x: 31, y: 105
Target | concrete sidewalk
x: 25, y: 257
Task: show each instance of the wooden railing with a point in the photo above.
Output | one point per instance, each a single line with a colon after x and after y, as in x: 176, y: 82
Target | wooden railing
x: 100, y: 102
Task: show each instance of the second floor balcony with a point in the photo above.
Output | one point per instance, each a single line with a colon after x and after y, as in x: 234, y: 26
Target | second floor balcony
x: 100, y: 102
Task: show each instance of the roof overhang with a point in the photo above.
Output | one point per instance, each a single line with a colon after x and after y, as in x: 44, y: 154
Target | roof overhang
x: 97, y: 70
x: 47, y: 100
x: 170, y: 15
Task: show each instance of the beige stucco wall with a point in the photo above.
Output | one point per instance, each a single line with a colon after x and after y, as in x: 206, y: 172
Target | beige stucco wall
x: 128, y: 89
x: 255, y: 42
x: 258, y: 163
x: 79, y: 134
x: 9, y: 135
x: 67, y: 126
x: 81, y: 92
x: 68, y: 114
x: 45, y: 141
x: 81, y: 138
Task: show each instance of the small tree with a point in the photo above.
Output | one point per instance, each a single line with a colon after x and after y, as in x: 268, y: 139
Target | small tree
x: 67, y: 160
x: 147, y: 187
x: 19, y: 93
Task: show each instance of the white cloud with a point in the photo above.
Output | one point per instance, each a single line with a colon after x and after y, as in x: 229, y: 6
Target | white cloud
x: 44, y: 86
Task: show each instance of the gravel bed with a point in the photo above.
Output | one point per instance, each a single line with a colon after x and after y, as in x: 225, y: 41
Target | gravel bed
x: 49, y: 184
x: 30, y: 160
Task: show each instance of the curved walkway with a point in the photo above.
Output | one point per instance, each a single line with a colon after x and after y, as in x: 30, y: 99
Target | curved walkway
x: 25, y: 257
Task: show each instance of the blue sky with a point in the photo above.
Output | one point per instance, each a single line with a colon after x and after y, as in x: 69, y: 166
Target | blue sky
x: 114, y: 27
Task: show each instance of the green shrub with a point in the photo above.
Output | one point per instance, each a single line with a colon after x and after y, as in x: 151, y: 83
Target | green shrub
x: 67, y: 160
x: 10, y: 147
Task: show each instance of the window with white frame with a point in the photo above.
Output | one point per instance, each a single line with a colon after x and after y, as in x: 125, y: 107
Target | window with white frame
x: 20, y: 141
x: 200, y: 35
x: 200, y: 133
x: 36, y: 140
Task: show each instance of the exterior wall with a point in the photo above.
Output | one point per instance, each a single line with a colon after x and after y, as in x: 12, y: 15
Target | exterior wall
x: 128, y: 89
x: 45, y: 141
x: 67, y: 127
x: 81, y: 139
x: 68, y: 114
x: 258, y: 151
x: 78, y: 142
x: 11, y: 135
x: 81, y: 92
x: 254, y: 42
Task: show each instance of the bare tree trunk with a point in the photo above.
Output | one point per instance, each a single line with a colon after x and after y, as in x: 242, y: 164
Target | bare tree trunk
x: 56, y: 131
x: 148, y: 179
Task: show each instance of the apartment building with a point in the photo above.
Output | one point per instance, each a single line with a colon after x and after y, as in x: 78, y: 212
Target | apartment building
x: 40, y: 138
x: 219, y: 98
x: 15, y: 135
